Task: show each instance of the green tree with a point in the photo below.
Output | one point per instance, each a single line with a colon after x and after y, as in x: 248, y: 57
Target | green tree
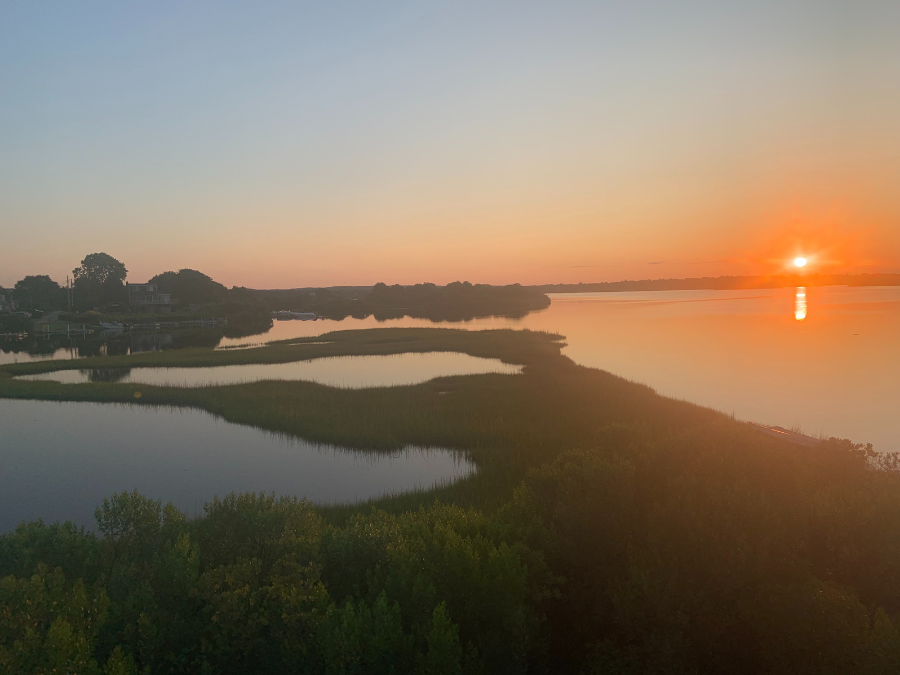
x: 443, y: 555
x: 48, y: 625
x: 15, y: 323
x: 39, y: 292
x: 190, y: 286
x: 357, y: 638
x: 444, y: 656
x: 119, y: 663
x: 100, y: 280
x: 63, y: 545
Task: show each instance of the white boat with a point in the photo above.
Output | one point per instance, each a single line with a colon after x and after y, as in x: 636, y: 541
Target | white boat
x: 111, y: 325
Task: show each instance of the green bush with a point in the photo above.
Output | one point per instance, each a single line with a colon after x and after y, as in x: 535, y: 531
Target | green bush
x: 15, y: 323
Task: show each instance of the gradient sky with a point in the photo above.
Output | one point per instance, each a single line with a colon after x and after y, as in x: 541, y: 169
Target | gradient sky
x: 285, y: 144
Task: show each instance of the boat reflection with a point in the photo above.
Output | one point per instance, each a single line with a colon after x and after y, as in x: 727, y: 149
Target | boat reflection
x: 800, y: 304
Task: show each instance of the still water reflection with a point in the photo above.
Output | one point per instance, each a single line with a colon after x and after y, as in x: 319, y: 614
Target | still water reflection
x: 354, y: 372
x: 44, y: 347
x: 59, y: 460
x: 836, y: 372
x: 800, y: 304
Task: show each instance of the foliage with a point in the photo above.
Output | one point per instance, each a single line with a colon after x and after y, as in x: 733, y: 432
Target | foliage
x: 190, y: 286
x: 100, y: 268
x: 15, y: 323
x: 99, y: 283
x: 48, y: 624
x: 608, y: 530
x: 604, y: 561
x: 100, y: 280
x: 454, y: 302
x: 246, y: 318
x: 39, y: 292
x: 243, y: 589
x: 519, y: 347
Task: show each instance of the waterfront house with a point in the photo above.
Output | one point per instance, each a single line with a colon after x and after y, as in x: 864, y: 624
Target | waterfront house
x: 147, y: 295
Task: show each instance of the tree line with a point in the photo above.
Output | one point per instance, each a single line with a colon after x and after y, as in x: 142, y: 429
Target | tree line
x: 637, y: 556
x: 99, y: 284
x: 457, y: 301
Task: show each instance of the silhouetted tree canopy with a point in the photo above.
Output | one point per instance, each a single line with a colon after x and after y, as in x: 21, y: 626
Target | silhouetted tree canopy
x: 454, y: 302
x: 457, y: 301
x: 14, y: 323
x: 39, y: 292
x: 100, y: 280
x: 190, y: 286
x: 100, y: 269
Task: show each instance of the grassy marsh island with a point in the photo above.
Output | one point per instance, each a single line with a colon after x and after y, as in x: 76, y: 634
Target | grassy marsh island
x: 607, y: 530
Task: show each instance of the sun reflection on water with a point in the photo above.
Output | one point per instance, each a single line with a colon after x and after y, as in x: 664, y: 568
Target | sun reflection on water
x: 800, y: 304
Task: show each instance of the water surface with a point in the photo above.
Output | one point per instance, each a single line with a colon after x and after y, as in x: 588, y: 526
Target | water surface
x: 825, y: 360
x: 354, y: 372
x: 59, y: 460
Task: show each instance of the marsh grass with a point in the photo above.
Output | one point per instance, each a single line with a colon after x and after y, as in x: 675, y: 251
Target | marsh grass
x: 683, y: 539
x: 506, y: 425
x: 514, y: 347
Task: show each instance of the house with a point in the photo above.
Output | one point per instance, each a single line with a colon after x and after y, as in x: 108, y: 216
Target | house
x: 147, y: 295
x: 6, y: 303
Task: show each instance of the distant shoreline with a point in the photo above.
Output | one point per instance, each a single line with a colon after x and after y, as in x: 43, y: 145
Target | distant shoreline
x: 728, y: 283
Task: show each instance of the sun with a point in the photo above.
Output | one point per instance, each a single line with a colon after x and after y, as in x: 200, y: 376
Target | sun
x: 799, y: 262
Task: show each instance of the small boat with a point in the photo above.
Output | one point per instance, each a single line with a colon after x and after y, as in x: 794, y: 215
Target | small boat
x: 111, y: 325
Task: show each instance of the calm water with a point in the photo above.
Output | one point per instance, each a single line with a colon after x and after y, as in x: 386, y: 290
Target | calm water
x: 355, y: 372
x: 47, y: 347
x: 825, y: 360
x: 59, y: 460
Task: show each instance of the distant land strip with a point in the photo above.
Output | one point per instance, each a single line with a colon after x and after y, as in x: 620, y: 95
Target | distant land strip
x: 726, y: 283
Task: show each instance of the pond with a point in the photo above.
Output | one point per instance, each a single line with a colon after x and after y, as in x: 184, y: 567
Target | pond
x: 354, y: 372
x: 59, y: 460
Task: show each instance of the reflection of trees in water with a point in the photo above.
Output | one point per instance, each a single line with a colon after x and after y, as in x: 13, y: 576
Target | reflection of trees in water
x: 119, y: 344
x: 200, y: 337
x: 107, y: 374
x: 240, y: 331
x: 440, y: 314
x: 29, y: 345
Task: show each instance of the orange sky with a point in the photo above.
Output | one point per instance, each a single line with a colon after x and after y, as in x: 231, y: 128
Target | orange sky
x: 398, y: 143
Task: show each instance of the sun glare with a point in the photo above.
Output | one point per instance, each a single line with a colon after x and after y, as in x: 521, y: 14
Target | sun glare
x: 799, y: 262
x: 800, y: 304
